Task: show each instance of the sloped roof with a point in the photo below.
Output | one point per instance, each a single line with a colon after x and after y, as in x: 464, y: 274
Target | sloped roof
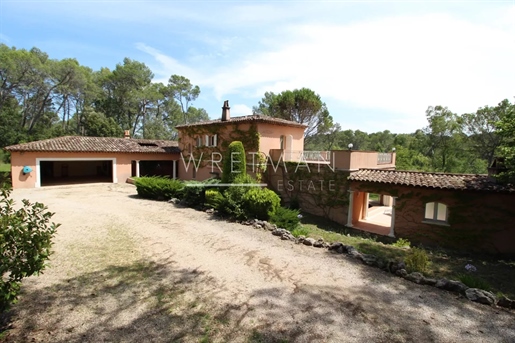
x: 256, y: 118
x: 98, y: 144
x: 474, y: 182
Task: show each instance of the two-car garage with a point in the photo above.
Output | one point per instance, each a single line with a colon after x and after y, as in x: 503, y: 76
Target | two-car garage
x: 77, y: 159
x: 69, y: 171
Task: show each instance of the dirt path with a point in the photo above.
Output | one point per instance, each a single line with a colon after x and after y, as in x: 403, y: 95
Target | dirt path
x: 132, y: 270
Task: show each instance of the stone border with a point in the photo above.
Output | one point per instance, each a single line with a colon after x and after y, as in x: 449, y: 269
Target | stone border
x: 394, y: 267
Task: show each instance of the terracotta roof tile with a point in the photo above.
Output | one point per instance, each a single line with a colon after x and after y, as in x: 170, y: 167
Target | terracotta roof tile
x: 431, y: 180
x: 247, y: 119
x: 98, y: 144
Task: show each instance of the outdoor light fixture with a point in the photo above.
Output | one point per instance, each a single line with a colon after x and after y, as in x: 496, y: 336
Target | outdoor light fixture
x: 26, y: 170
x: 393, y: 149
x: 350, y: 146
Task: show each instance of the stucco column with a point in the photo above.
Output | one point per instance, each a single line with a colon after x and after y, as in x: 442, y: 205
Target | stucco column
x: 137, y: 168
x: 174, y: 172
x: 365, y: 204
x: 351, y: 203
x: 392, y: 224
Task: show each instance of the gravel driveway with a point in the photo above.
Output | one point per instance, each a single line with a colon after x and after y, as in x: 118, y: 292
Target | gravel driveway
x: 133, y: 270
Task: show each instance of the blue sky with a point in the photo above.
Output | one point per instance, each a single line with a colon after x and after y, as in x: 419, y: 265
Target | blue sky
x: 377, y: 65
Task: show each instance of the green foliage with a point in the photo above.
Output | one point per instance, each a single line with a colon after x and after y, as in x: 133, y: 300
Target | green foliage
x: 194, y: 194
x: 159, y: 188
x: 234, y: 163
x: 213, y: 198
x: 98, y: 125
x: 260, y: 203
x: 232, y: 204
x: 25, y: 241
x: 416, y: 260
x: 41, y: 98
x: 474, y: 281
x: 286, y: 218
x: 402, y: 243
x: 303, y: 106
x: 300, y: 231
x: 506, y: 131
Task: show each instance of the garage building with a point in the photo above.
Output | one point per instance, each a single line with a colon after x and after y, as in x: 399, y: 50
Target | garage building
x: 77, y: 159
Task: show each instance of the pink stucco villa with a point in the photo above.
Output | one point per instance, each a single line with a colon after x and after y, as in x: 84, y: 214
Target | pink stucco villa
x: 203, y: 144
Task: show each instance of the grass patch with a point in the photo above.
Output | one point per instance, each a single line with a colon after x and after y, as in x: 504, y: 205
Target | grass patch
x: 417, y: 260
x: 474, y: 281
x: 492, y: 272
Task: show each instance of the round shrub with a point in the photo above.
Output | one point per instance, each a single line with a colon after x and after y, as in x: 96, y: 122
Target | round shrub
x: 260, y: 203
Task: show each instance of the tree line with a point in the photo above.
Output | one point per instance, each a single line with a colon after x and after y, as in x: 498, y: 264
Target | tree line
x: 452, y: 143
x: 43, y: 98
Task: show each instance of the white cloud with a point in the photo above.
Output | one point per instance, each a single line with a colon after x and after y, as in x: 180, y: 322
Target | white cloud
x: 240, y: 110
x: 399, y: 65
x: 169, y: 65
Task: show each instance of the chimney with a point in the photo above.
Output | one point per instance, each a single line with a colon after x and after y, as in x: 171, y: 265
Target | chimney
x: 127, y: 134
x: 497, y: 166
x: 226, y: 111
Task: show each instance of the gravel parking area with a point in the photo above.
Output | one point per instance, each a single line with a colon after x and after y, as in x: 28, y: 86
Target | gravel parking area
x: 133, y: 270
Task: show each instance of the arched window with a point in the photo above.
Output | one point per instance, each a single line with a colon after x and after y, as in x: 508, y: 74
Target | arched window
x: 436, y: 211
x: 283, y: 142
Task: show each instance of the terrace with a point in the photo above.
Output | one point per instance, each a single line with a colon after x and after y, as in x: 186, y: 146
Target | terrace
x: 347, y: 160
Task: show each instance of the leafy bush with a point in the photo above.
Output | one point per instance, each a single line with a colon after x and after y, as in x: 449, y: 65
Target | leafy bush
x: 300, y: 231
x: 235, y: 163
x: 402, y: 243
x: 260, y: 203
x: 474, y: 282
x: 158, y: 187
x: 194, y: 192
x: 232, y: 204
x: 213, y: 198
x: 416, y: 260
x: 25, y: 241
x: 286, y: 218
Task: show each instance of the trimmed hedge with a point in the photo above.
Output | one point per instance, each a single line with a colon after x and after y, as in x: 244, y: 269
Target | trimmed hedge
x: 158, y: 188
x: 235, y: 163
x: 260, y: 203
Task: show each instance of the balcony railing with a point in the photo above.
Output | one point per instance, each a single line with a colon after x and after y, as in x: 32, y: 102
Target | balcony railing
x: 384, y: 157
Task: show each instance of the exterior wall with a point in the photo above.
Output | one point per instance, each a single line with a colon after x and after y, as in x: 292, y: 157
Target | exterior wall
x: 225, y: 133
x: 321, y: 192
x: 477, y: 220
x: 121, y: 169
x: 354, y: 160
x: 256, y: 137
x: 270, y: 137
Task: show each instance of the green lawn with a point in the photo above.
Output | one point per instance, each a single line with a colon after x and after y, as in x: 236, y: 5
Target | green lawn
x: 5, y: 167
x: 498, y: 273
